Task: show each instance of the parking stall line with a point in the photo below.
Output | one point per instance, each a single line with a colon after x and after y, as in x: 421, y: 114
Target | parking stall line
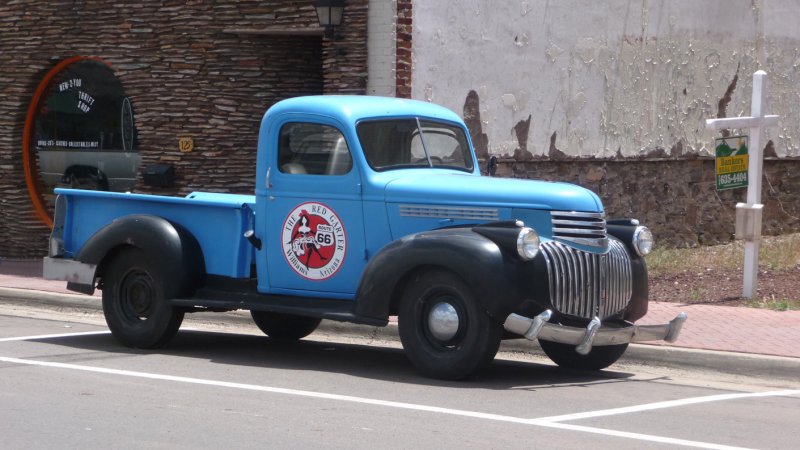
x: 634, y: 436
x: 668, y: 404
x: 370, y: 401
x: 53, y: 336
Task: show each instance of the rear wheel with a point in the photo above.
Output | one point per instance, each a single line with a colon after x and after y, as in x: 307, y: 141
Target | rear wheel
x: 444, y: 330
x: 135, y: 301
x: 285, y: 326
x: 599, y: 358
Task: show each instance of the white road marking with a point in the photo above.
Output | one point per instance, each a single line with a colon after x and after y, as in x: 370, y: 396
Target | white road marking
x: 84, y: 333
x: 667, y: 404
x: 635, y: 436
x: 53, y: 336
x: 369, y: 401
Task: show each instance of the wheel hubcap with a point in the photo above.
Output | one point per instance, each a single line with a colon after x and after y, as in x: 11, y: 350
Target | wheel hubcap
x: 137, y: 295
x: 443, y: 321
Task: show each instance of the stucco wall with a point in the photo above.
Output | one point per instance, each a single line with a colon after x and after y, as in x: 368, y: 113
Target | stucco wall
x: 608, y: 78
x: 381, y: 47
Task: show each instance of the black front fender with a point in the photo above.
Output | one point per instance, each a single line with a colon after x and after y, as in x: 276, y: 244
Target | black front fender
x: 492, y: 274
x: 176, y: 252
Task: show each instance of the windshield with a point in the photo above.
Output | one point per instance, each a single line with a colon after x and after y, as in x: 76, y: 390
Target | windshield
x: 404, y: 143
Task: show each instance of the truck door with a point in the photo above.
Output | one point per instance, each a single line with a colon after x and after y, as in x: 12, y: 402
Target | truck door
x: 315, y: 232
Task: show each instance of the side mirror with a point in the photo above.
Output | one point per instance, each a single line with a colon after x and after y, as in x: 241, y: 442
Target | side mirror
x: 491, y: 166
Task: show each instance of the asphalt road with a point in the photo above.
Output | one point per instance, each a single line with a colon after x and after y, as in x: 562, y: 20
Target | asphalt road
x: 66, y: 383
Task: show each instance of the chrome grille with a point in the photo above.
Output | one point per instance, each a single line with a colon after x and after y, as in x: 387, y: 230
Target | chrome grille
x: 580, y: 228
x: 450, y: 212
x: 586, y: 284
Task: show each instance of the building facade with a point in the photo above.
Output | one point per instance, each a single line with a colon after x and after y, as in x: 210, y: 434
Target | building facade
x: 612, y: 98
x: 198, y: 76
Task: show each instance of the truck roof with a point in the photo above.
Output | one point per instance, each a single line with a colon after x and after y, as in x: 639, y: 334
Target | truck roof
x: 349, y: 109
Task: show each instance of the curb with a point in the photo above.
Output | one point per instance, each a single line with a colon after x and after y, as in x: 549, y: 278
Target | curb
x: 744, y: 364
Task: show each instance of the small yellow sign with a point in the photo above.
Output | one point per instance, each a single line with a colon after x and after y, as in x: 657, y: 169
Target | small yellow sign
x: 731, y: 162
x: 186, y: 144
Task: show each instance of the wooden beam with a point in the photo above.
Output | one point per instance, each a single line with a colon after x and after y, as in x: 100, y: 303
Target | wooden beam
x: 276, y: 31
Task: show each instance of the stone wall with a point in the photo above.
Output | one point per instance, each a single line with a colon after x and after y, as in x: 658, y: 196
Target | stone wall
x: 202, y: 69
x: 676, y: 198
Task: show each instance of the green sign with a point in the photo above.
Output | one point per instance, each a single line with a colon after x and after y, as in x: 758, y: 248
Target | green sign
x: 731, y: 163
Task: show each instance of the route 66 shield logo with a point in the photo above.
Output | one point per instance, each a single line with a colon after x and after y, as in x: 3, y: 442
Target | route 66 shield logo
x: 314, y: 241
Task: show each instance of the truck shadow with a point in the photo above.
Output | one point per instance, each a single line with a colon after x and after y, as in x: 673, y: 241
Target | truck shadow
x: 374, y: 362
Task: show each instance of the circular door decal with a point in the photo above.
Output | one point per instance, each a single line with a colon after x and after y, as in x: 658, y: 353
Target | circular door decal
x: 314, y: 241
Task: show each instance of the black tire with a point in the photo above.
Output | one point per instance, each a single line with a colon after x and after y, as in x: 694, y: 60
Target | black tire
x: 285, y: 326
x: 469, y: 349
x: 599, y: 358
x: 135, y: 301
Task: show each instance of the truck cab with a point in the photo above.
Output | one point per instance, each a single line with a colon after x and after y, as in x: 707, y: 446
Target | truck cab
x: 329, y: 171
x: 367, y: 208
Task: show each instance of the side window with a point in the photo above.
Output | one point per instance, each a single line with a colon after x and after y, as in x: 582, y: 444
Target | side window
x: 313, y: 149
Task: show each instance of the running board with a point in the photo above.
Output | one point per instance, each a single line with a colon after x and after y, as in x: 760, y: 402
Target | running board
x: 331, y: 309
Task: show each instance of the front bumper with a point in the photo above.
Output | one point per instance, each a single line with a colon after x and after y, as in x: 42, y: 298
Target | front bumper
x: 594, y: 334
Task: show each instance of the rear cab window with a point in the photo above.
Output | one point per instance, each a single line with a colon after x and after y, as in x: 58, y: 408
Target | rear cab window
x: 313, y: 149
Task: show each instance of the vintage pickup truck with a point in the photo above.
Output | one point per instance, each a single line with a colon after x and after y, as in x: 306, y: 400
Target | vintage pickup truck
x: 365, y: 208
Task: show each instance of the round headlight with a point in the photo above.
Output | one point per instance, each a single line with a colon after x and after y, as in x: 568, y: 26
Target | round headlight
x: 527, y: 243
x: 643, y: 241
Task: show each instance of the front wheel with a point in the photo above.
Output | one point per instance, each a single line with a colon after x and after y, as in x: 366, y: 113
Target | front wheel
x: 445, y: 332
x: 284, y: 326
x: 135, y: 301
x: 599, y: 358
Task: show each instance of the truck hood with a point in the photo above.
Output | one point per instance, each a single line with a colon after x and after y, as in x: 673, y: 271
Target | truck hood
x: 458, y: 189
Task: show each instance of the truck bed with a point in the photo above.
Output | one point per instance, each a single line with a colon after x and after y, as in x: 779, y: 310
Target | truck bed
x: 217, y: 221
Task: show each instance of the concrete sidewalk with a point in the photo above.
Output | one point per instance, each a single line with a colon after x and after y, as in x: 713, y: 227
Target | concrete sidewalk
x: 744, y: 340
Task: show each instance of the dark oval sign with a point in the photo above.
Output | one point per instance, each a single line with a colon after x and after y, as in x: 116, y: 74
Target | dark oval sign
x: 85, y: 108
x: 80, y: 132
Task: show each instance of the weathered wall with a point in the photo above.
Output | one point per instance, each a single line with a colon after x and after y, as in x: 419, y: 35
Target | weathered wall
x: 613, y: 95
x: 608, y: 77
x: 203, y: 69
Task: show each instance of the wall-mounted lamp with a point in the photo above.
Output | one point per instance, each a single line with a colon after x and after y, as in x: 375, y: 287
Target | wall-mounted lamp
x: 329, y: 14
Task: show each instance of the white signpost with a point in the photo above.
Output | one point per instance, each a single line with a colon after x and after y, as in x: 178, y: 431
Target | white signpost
x: 748, y: 215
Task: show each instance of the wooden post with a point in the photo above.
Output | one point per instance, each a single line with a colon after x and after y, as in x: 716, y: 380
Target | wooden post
x: 751, y: 211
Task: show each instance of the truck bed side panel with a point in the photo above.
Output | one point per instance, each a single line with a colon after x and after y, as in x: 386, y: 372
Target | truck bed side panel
x: 217, y: 221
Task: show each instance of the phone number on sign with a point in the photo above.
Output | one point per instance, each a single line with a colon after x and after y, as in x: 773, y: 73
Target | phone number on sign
x: 732, y: 178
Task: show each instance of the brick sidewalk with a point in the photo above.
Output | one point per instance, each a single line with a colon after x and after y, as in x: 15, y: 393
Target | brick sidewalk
x: 722, y: 328
x: 732, y: 329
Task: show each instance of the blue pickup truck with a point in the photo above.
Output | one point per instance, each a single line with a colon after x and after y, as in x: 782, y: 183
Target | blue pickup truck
x: 365, y: 208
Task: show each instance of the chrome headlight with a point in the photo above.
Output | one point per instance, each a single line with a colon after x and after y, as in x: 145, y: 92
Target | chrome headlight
x: 643, y: 241
x: 527, y: 243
